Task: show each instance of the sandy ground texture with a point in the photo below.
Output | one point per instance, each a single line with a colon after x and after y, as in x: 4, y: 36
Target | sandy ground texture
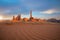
x: 29, y: 31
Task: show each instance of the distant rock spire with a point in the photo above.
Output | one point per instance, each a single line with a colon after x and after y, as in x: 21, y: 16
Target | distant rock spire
x: 13, y: 17
x: 30, y: 13
x: 19, y: 17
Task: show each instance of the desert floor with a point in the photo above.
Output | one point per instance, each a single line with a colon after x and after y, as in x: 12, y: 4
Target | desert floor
x: 29, y: 31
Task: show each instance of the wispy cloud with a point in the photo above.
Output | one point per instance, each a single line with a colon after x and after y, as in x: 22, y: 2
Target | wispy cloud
x: 50, y: 11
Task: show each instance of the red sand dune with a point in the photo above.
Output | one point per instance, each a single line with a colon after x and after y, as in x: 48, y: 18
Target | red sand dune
x: 29, y: 31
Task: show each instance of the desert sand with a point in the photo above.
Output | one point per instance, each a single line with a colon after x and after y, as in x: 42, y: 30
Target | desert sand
x: 29, y: 31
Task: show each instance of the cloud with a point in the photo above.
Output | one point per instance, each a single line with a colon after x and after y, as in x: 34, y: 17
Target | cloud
x: 5, y: 11
x: 50, y: 11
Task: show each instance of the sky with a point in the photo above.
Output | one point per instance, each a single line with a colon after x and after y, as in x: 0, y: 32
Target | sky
x: 44, y: 9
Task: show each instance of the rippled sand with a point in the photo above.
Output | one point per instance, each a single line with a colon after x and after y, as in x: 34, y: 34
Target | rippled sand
x: 29, y: 31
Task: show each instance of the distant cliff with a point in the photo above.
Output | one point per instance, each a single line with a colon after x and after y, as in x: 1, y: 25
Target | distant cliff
x: 53, y: 20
